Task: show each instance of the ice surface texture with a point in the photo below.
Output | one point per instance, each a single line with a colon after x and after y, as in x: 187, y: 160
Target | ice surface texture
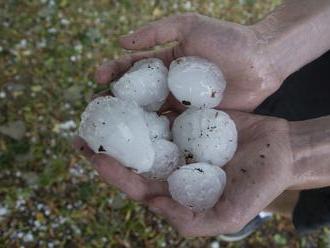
x: 145, y: 83
x: 205, y: 135
x: 159, y: 126
x: 197, y: 186
x: 133, y: 136
x: 116, y: 127
x: 167, y: 159
x: 196, y: 82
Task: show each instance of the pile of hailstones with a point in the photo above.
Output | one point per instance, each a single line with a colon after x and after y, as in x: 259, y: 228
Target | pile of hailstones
x: 202, y: 140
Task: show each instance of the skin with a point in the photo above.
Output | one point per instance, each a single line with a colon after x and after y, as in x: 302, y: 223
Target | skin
x: 263, y: 156
x: 263, y: 49
x: 296, y: 33
x: 225, y: 43
x: 310, y: 143
x: 271, y: 158
x: 273, y: 155
x: 284, y: 204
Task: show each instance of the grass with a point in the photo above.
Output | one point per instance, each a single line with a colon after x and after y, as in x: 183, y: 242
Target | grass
x: 49, y: 195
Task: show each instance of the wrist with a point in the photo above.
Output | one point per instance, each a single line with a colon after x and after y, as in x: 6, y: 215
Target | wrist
x: 301, y: 149
x: 310, y: 146
x: 268, y: 46
x: 294, y: 34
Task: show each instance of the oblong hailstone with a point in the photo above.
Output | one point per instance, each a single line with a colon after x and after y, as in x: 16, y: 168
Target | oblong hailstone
x: 145, y: 83
x: 197, y: 186
x: 116, y: 127
x: 205, y: 135
x: 196, y: 82
x: 159, y: 126
x: 167, y: 159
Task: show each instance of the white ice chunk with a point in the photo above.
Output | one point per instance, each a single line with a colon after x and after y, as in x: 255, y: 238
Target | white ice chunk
x: 205, y: 135
x: 196, y: 82
x: 197, y: 186
x: 145, y: 83
x: 167, y: 159
x: 154, y: 106
x: 116, y: 127
x: 159, y: 126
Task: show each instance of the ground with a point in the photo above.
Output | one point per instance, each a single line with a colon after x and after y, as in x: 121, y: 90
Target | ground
x: 50, y: 196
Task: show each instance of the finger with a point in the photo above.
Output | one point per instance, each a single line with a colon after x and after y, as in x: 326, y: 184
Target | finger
x: 80, y: 145
x: 184, y: 220
x: 175, y: 213
x: 106, y: 92
x: 107, y: 168
x: 135, y: 186
x: 110, y: 70
x: 169, y: 29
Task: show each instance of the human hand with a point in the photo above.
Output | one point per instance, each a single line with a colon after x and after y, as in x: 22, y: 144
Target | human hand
x: 234, y: 48
x: 260, y: 171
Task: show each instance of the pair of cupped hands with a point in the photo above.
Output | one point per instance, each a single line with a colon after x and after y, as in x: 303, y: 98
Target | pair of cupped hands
x: 261, y: 168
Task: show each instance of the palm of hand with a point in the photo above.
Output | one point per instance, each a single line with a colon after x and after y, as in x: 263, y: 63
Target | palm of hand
x: 258, y: 173
x: 252, y: 179
x: 260, y: 170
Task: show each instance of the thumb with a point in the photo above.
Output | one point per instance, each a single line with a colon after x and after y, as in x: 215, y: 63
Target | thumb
x: 169, y: 29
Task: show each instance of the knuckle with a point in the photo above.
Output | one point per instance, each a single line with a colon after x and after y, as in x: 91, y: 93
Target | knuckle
x: 185, y: 232
x: 137, y: 195
x: 234, y: 228
x: 190, y: 17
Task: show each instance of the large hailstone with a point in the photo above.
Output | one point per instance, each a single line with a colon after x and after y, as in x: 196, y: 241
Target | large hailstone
x: 167, y: 159
x: 196, y: 82
x: 205, y: 135
x: 116, y: 127
x: 145, y: 83
x: 197, y: 186
x: 159, y: 126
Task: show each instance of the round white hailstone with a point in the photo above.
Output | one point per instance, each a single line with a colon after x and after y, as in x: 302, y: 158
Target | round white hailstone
x: 159, y: 126
x: 196, y: 82
x: 116, y: 127
x: 167, y: 159
x: 145, y: 83
x: 205, y: 135
x: 197, y: 186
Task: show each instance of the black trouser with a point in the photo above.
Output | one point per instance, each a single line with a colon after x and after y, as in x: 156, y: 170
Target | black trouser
x: 305, y: 95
